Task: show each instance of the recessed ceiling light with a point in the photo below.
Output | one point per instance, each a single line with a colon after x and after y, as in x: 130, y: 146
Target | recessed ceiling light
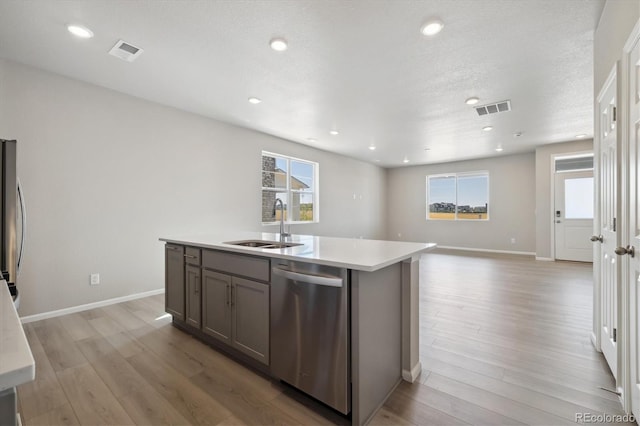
x: 487, y: 128
x: 499, y: 149
x: 432, y: 27
x: 581, y: 135
x: 278, y: 44
x: 406, y: 160
x: 312, y: 140
x: 372, y: 147
x: 472, y: 101
x: 333, y: 132
x: 254, y: 101
x: 80, y: 31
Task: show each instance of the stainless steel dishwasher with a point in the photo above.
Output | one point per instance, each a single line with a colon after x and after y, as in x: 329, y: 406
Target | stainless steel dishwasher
x: 310, y: 337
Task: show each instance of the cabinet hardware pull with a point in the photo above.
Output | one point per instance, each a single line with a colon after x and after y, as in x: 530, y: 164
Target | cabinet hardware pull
x: 228, y: 296
x: 172, y: 248
x: 190, y: 256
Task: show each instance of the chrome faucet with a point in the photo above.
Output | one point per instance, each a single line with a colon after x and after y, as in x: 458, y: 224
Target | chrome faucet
x: 283, y: 234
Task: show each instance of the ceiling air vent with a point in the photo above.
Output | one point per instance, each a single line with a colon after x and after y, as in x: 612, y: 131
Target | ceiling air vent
x: 125, y: 51
x: 501, y: 106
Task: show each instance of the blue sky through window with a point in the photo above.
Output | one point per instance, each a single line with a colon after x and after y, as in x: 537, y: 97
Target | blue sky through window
x: 472, y: 190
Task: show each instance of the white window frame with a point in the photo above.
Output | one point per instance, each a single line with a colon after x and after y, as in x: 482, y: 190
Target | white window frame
x: 456, y: 176
x: 290, y: 192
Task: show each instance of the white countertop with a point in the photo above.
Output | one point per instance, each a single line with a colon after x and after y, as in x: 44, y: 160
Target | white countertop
x: 16, y: 360
x: 358, y: 254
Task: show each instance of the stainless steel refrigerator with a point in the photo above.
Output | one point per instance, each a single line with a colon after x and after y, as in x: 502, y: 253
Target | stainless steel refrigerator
x: 12, y: 217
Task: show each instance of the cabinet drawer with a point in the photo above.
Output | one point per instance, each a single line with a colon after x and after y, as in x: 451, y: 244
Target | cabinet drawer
x: 192, y: 256
x: 237, y: 264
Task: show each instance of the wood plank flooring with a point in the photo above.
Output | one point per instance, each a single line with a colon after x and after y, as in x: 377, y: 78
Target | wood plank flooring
x: 504, y: 340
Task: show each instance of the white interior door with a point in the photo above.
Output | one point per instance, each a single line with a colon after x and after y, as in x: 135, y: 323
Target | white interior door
x: 609, y: 270
x: 634, y: 225
x: 574, y: 215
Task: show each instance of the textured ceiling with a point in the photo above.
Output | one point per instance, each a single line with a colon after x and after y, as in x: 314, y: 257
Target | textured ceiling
x: 361, y: 67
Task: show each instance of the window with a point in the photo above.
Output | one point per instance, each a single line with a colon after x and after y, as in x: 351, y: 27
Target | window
x: 293, y: 181
x: 458, y: 196
x: 578, y: 198
x: 574, y: 163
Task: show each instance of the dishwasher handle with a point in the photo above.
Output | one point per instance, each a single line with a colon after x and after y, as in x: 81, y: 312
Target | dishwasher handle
x: 307, y: 278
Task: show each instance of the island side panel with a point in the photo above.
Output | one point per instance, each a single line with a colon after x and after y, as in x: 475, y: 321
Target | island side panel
x: 411, y: 367
x: 376, y: 339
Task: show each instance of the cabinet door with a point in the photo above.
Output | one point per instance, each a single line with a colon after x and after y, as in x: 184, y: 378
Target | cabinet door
x: 216, y: 305
x: 174, y: 280
x: 192, y: 275
x: 250, y: 311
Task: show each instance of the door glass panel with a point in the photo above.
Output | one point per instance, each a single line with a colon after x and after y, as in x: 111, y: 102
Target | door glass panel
x: 578, y: 198
x: 574, y: 163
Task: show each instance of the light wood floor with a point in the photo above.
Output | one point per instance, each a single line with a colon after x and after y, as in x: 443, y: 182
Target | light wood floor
x: 504, y: 340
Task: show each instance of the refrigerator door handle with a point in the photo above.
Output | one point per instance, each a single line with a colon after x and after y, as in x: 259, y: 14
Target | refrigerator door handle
x: 23, y: 221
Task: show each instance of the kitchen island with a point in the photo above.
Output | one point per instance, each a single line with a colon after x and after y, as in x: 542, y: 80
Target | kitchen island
x: 17, y: 365
x: 218, y: 288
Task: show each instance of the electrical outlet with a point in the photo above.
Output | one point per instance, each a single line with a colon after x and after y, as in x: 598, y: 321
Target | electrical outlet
x: 94, y: 279
x: 513, y: 240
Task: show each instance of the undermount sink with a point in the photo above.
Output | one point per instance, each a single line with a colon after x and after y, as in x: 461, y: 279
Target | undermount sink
x: 263, y: 244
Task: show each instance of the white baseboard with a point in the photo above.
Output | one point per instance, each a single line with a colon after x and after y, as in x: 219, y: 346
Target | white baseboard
x: 80, y: 308
x: 523, y: 253
x: 411, y: 376
x: 546, y: 259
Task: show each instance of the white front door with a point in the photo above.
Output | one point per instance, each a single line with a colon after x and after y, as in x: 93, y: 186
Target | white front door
x: 574, y: 215
x: 633, y: 276
x: 609, y: 270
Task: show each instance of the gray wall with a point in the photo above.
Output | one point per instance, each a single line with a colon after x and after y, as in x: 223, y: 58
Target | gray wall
x: 511, y: 206
x: 544, y: 212
x: 616, y: 22
x: 105, y: 175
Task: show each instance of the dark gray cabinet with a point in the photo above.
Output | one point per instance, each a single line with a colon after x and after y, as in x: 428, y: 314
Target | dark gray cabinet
x: 250, y: 318
x: 226, y: 295
x: 235, y: 310
x: 192, y: 274
x: 193, y: 287
x: 216, y: 305
x: 174, y: 280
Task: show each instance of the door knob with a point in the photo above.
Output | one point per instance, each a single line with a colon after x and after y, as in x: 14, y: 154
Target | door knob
x: 630, y: 250
x: 597, y: 238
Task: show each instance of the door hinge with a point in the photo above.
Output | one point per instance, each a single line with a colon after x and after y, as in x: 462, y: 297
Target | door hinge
x: 614, y: 114
x: 615, y: 335
x: 614, y: 224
